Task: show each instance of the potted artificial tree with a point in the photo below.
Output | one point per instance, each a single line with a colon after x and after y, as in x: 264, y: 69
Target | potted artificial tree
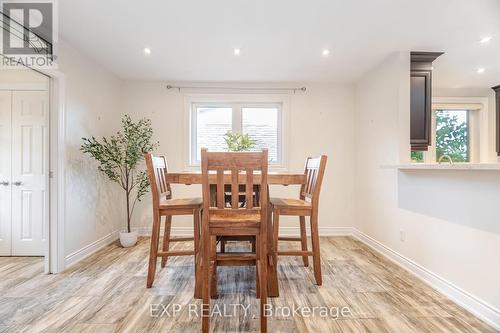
x: 121, y: 158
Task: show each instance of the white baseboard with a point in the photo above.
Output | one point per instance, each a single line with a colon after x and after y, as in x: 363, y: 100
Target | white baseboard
x: 90, y: 249
x: 478, y: 307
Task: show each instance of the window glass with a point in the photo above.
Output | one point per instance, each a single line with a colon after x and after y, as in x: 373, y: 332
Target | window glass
x: 261, y: 124
x: 212, y: 123
x: 452, y: 135
x: 417, y: 156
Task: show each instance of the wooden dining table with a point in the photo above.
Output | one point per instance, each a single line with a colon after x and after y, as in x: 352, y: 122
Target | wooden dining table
x: 273, y: 178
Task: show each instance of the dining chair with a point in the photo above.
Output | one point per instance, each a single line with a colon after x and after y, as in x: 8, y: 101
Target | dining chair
x: 242, y: 202
x: 221, y: 220
x: 306, y: 205
x: 164, y: 205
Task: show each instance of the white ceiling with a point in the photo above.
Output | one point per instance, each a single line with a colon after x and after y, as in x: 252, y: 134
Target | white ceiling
x: 282, y: 40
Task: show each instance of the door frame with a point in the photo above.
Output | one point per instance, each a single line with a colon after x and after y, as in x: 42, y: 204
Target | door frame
x: 54, y: 246
x: 54, y: 259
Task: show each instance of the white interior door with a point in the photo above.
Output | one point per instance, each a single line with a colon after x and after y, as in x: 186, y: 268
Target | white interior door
x: 5, y: 172
x: 29, y: 172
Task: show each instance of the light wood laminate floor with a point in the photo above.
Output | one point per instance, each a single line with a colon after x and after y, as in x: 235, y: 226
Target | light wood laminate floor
x: 106, y: 293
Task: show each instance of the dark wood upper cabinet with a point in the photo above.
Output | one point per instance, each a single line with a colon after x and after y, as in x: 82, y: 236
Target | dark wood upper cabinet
x: 421, y: 99
x: 497, y: 102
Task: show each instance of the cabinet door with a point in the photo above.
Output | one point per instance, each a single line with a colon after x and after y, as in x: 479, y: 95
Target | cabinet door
x: 5, y: 172
x: 29, y: 172
x: 420, y: 110
x: 497, y: 100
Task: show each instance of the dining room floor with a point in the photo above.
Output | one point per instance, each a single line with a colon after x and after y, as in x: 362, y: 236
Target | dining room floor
x: 362, y: 292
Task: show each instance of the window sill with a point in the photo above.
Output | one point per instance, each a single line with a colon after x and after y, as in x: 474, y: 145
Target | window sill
x: 445, y: 166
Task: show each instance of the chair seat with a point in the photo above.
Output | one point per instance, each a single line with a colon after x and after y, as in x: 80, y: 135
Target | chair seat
x: 181, y: 203
x: 228, y: 219
x: 290, y: 203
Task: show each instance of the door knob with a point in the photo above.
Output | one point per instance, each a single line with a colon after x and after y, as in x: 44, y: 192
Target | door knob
x: 18, y: 183
x: 4, y: 183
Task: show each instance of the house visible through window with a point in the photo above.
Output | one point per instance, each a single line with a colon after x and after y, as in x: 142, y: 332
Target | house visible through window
x: 209, y: 122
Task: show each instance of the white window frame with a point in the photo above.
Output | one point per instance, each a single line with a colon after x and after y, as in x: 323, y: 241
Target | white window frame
x: 478, y: 126
x: 236, y: 102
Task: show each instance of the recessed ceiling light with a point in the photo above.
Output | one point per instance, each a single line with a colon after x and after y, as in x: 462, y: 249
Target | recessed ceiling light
x: 485, y: 39
x: 480, y: 70
x: 147, y: 51
x: 325, y: 53
x: 236, y: 51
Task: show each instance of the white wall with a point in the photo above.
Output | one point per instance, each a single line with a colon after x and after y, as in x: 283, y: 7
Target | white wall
x: 321, y: 122
x: 25, y: 78
x: 92, y: 109
x: 451, y: 224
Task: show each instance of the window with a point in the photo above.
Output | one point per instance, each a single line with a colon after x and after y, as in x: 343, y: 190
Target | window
x: 451, y: 138
x: 459, y: 127
x: 417, y: 157
x: 452, y: 135
x: 211, y: 120
x: 460, y: 130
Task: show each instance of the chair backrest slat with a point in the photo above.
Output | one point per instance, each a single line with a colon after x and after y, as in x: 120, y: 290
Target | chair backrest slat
x: 157, y: 169
x: 235, y: 187
x: 314, y: 170
x: 220, y: 189
x: 249, y: 188
x: 237, y: 169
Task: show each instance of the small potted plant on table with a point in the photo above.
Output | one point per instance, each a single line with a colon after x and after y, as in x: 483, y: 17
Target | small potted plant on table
x: 239, y: 142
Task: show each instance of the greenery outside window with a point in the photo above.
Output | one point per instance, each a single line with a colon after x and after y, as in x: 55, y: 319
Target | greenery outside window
x: 452, y: 139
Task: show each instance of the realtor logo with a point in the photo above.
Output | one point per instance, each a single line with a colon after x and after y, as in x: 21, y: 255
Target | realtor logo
x: 28, y: 33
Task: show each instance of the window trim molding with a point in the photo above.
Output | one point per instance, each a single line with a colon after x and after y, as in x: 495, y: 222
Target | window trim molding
x: 232, y: 99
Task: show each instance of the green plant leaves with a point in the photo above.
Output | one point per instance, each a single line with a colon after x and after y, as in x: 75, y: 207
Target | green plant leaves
x: 452, y: 137
x: 239, y: 142
x: 121, y: 155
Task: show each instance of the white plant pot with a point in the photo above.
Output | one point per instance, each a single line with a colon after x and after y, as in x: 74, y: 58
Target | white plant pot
x: 128, y: 239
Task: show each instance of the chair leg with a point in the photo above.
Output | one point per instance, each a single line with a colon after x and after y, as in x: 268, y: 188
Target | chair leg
x: 197, y: 258
x: 315, y: 247
x: 303, y: 239
x: 272, y: 256
x: 166, y: 239
x: 262, y: 262
x: 276, y: 228
x: 153, y: 252
x: 213, y: 256
x: 257, y: 281
x: 257, y: 272
x: 205, y: 253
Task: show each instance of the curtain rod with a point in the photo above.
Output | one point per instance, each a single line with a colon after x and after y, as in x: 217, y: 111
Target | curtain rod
x: 302, y: 89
